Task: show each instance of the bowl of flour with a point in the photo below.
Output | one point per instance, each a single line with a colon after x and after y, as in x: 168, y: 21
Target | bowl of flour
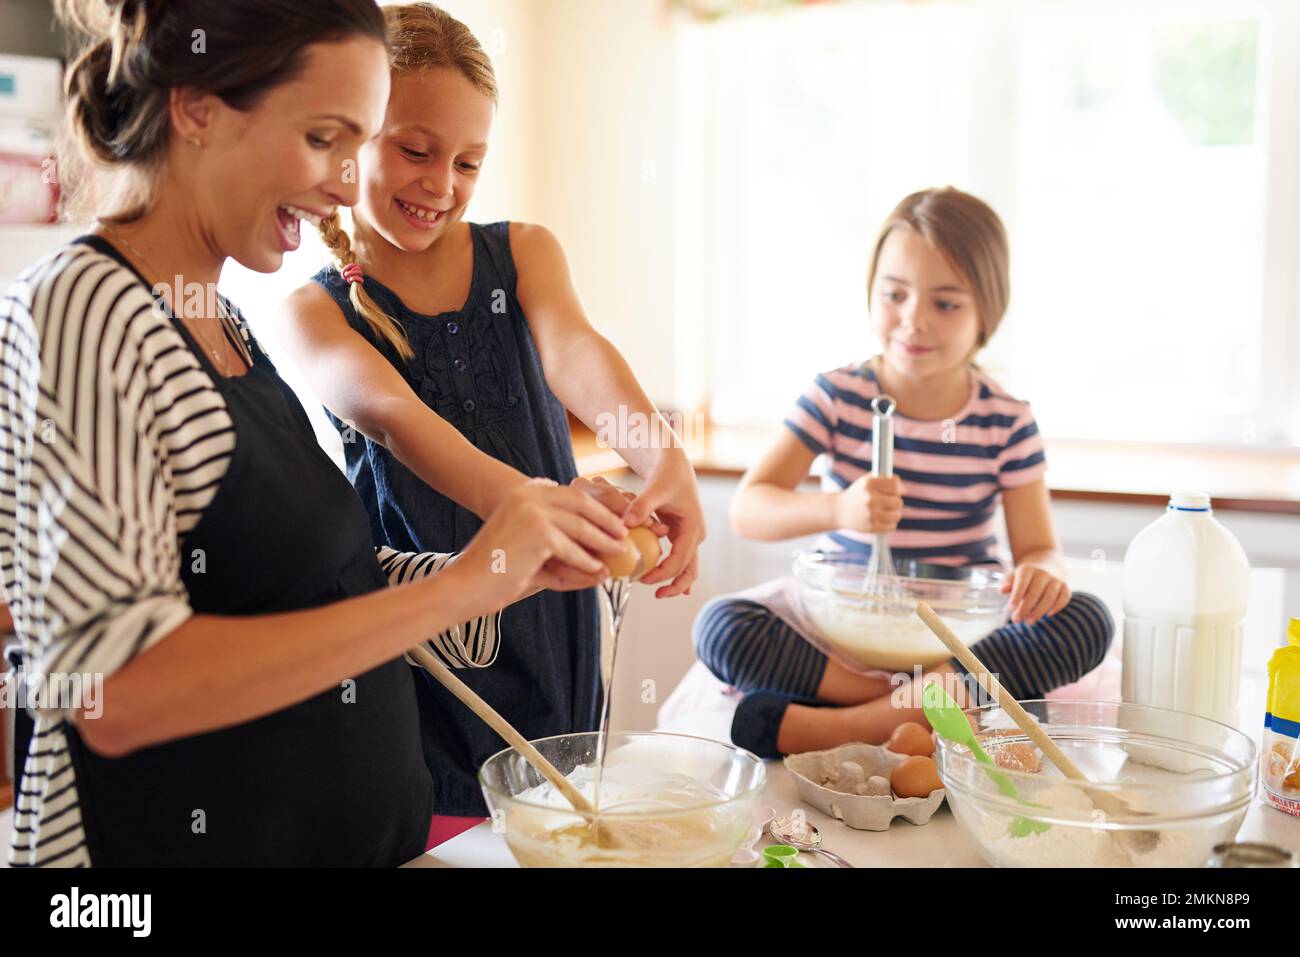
x: 1186, y: 781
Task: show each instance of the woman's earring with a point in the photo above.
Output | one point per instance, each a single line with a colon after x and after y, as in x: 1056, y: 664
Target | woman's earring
x: 194, y: 141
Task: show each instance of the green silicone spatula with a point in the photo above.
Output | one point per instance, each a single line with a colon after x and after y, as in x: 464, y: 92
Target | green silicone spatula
x: 949, y: 720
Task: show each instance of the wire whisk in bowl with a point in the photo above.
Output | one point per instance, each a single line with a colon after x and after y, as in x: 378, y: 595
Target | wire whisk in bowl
x: 881, y: 578
x: 617, y: 591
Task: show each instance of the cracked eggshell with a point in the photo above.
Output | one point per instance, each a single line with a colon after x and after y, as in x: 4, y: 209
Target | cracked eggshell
x: 819, y: 774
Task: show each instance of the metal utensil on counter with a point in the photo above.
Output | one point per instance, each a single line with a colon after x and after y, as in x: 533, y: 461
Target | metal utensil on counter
x: 1252, y: 854
x: 783, y: 831
x: 881, y: 577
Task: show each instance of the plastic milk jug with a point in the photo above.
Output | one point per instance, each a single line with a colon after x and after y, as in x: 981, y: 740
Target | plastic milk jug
x: 1185, y: 585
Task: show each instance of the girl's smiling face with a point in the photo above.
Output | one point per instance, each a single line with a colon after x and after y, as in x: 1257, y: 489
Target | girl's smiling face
x: 419, y: 174
x: 921, y: 308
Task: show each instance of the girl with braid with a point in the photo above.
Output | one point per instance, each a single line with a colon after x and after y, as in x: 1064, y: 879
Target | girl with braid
x: 455, y: 350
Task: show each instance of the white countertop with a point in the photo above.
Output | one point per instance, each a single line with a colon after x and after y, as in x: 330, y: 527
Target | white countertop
x: 939, y: 843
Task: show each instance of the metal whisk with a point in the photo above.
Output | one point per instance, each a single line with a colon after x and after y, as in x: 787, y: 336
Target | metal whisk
x: 617, y: 591
x: 881, y: 576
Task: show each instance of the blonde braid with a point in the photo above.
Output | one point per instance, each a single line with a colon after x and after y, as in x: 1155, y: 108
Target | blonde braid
x: 383, y: 325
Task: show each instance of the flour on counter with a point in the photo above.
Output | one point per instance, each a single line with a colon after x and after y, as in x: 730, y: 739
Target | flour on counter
x: 1082, y: 846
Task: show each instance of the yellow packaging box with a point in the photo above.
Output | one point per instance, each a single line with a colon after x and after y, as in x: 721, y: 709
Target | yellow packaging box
x: 1280, y: 761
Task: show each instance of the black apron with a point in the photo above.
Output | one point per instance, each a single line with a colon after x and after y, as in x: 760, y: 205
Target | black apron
x: 336, y: 780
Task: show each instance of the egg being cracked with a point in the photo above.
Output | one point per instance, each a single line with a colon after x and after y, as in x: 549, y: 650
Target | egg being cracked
x: 643, y: 544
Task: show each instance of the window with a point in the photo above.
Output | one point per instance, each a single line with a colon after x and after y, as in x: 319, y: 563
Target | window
x: 1143, y: 156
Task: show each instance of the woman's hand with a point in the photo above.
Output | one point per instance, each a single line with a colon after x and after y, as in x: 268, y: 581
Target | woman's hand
x: 872, y: 506
x: 1035, y: 592
x: 672, y: 498
x: 541, y: 536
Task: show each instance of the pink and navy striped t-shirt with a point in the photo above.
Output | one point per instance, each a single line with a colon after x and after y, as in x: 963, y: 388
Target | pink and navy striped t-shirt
x: 953, y: 470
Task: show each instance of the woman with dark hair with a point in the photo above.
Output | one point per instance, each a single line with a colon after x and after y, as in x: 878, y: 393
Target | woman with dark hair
x: 167, y: 520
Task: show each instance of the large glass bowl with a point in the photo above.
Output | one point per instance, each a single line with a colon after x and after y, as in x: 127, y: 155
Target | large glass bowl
x: 873, y: 621
x: 1195, y: 777
x: 669, y: 800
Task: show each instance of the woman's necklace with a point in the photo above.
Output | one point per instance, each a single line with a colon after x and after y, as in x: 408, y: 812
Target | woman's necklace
x: 220, y: 352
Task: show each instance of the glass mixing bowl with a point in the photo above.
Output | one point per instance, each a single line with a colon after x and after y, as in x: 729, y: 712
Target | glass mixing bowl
x: 873, y: 621
x: 668, y: 800
x: 1195, y: 777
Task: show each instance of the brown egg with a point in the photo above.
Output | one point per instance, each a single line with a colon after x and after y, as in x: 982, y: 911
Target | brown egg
x: 915, y: 777
x: 911, y: 738
x: 1017, y: 756
x: 642, y: 544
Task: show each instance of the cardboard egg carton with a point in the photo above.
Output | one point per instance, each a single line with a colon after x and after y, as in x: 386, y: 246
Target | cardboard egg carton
x: 851, y: 784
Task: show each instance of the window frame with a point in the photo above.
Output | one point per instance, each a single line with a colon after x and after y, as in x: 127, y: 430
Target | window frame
x: 709, y: 56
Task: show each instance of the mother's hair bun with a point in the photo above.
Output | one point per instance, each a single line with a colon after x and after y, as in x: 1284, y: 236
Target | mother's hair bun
x: 116, y: 113
x: 118, y: 88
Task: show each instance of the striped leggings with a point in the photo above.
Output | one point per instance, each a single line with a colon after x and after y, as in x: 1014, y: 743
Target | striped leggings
x: 756, y: 652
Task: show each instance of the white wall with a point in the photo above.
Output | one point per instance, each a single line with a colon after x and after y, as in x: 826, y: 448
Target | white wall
x: 603, y: 148
x: 505, y: 28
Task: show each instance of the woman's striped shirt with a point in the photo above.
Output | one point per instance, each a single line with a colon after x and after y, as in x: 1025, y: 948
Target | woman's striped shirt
x: 113, y: 441
x: 953, y: 470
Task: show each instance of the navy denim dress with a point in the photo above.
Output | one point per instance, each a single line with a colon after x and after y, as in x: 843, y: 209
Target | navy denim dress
x: 478, y: 368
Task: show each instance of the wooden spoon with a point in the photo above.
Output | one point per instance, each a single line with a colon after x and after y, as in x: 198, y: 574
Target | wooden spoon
x: 501, y: 726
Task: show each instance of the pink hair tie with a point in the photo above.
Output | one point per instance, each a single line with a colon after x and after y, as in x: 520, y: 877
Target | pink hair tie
x: 352, y: 274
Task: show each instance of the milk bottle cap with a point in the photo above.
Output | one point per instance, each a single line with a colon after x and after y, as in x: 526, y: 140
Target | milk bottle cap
x: 1189, y: 502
